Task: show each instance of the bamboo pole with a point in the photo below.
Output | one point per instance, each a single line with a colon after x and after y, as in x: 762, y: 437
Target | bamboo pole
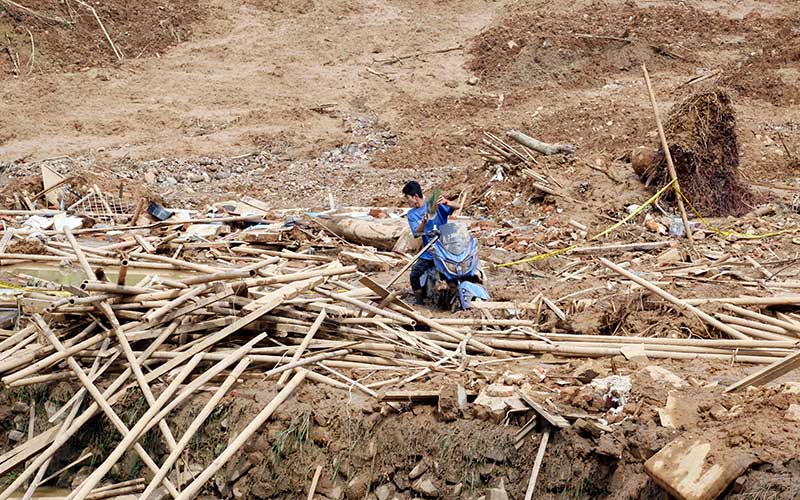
x: 366, y: 307
x: 98, y: 397
x: 194, y: 427
x: 116, y: 492
x: 123, y: 342
x: 450, y: 332
x: 303, y: 345
x: 679, y: 304
x: 778, y: 300
x: 63, y: 437
x: 670, y: 166
x: 57, y: 473
x: 191, y: 491
x: 789, y: 328
x: 132, y: 435
x: 146, y: 245
x: 123, y: 272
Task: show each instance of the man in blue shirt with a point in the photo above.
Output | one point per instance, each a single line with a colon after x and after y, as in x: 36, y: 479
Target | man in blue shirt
x: 420, y: 222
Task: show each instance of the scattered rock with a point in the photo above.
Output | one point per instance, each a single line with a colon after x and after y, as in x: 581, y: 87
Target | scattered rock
x: 671, y: 256
x: 791, y: 387
x: 793, y: 413
x: 586, y: 375
x: 357, y: 488
x: 418, y: 470
x: 498, y: 493
x: 20, y: 407
x: 16, y: 436
x: 384, y: 491
x: 452, y: 401
x: 681, y: 412
x: 425, y: 486
x: 473, y: 80
x: 660, y: 374
x: 697, y: 468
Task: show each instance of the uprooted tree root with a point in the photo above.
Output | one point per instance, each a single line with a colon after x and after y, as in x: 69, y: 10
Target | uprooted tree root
x: 701, y: 132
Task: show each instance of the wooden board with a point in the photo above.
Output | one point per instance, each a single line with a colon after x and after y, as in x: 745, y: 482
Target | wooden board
x: 554, y: 420
x: 51, y: 178
x: 383, y: 293
x: 696, y: 468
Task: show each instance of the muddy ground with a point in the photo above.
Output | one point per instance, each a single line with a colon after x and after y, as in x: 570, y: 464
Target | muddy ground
x: 290, y: 100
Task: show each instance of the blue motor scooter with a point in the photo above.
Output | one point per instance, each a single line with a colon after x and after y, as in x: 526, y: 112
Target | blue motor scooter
x: 455, y: 257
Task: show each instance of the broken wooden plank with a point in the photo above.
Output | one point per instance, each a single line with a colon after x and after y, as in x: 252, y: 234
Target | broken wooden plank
x: 555, y: 420
x: 696, y: 468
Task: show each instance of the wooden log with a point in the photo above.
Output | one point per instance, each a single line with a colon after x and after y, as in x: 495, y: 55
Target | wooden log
x: 191, y: 491
x: 679, y: 304
x: 539, y: 146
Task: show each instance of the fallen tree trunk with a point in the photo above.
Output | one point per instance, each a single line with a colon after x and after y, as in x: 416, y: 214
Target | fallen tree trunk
x: 541, y: 147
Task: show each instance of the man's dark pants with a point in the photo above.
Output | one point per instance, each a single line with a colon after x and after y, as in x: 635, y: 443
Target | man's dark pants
x: 417, y: 270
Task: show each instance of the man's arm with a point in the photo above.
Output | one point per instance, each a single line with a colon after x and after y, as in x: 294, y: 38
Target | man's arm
x: 416, y: 223
x: 421, y: 227
x: 451, y: 204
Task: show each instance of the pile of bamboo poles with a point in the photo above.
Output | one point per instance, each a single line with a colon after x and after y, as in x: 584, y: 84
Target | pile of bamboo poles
x: 290, y: 318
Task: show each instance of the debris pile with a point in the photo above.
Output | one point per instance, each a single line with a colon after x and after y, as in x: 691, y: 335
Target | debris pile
x: 168, y: 307
x: 705, y: 150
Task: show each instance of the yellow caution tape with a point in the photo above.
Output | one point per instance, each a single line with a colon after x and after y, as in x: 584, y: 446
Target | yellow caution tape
x: 721, y: 232
x: 749, y: 236
x: 637, y: 211
x: 534, y: 258
x: 48, y: 291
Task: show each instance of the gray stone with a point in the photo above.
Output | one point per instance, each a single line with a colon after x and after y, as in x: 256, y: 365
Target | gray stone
x: 425, y: 486
x: 498, y: 493
x: 16, y: 436
x: 418, y: 470
x: 384, y: 491
x: 20, y: 407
